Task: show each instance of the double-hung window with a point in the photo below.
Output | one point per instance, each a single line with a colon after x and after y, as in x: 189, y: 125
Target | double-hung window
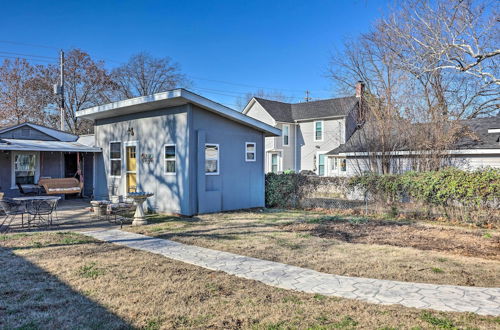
x: 318, y: 131
x: 211, y: 159
x: 343, y: 165
x: 169, y: 158
x: 274, y: 163
x: 24, y: 168
x: 250, y: 151
x: 115, y: 157
x: 286, y: 133
x: 321, y: 164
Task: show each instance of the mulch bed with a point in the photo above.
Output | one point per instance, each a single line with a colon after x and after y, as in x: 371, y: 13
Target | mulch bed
x: 423, y: 237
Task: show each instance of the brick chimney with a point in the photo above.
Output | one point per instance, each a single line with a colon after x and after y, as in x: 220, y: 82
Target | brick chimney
x: 360, y: 87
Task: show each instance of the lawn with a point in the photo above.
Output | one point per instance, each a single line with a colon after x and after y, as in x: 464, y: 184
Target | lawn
x: 67, y: 281
x: 345, y: 245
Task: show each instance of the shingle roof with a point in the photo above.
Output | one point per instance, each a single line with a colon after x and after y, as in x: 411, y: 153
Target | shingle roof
x: 289, y: 112
x: 479, y: 126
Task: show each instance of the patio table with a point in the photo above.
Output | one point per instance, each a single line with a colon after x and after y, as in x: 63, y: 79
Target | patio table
x: 40, y: 207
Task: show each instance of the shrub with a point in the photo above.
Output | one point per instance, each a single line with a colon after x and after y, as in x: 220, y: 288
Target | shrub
x: 447, y: 189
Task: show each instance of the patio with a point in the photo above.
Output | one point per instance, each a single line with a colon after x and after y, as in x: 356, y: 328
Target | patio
x: 71, y: 215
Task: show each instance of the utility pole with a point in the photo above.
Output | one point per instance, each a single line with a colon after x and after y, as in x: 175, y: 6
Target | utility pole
x: 307, y: 98
x: 61, y: 89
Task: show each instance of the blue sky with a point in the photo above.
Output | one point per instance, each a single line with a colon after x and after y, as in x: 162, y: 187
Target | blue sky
x: 226, y: 48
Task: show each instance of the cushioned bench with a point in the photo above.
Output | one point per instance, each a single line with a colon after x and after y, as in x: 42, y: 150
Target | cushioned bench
x: 61, y: 186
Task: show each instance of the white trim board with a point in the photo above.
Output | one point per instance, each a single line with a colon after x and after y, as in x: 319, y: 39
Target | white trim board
x: 172, y: 98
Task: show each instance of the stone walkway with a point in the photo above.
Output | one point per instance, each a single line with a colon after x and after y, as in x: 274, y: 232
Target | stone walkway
x: 484, y: 301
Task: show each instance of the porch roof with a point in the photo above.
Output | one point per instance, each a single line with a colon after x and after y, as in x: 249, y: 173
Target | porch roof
x: 39, y: 145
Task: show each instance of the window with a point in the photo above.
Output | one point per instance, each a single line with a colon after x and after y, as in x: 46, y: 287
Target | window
x: 318, y: 131
x: 321, y: 164
x: 250, y: 152
x: 115, y: 157
x: 24, y: 168
x: 333, y: 164
x: 170, y: 158
x: 285, y: 133
x: 343, y: 165
x: 274, y: 163
x: 211, y: 159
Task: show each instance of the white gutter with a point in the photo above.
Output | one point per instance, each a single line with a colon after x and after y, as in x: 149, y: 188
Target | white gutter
x: 411, y: 153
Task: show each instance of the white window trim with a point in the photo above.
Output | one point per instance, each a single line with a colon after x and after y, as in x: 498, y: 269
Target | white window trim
x: 110, y: 159
x: 325, y: 164
x: 254, y: 152
x: 12, y: 166
x: 322, y: 130
x: 165, y: 160
x: 283, y: 135
x: 218, y: 158
x: 126, y: 144
x: 270, y: 161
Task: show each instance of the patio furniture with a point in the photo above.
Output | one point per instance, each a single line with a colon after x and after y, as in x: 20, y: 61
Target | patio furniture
x: 34, y: 189
x: 11, y: 209
x: 40, y: 208
x: 61, y: 186
x: 112, y: 212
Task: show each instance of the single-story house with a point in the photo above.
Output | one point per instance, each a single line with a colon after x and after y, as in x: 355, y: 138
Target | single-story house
x: 29, y: 152
x: 478, y: 149
x: 194, y: 154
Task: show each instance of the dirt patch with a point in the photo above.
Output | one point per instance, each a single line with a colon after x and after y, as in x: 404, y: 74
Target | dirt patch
x: 422, y: 237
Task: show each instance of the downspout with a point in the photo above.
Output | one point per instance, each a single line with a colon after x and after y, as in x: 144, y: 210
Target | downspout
x: 295, y: 149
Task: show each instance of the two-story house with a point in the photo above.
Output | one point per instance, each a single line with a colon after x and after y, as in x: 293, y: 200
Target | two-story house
x: 309, y: 131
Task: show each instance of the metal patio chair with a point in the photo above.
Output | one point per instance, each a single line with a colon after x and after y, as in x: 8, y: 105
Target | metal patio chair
x: 11, y: 209
x: 41, y: 210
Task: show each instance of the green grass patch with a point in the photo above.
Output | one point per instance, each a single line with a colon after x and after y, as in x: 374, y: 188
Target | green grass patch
x: 325, y: 218
x: 346, y: 322
x: 442, y: 323
x: 12, y: 236
x: 67, y: 238
x: 319, y: 297
x: 358, y: 221
x: 292, y: 299
x: 488, y: 235
x: 437, y: 270
x: 90, y: 270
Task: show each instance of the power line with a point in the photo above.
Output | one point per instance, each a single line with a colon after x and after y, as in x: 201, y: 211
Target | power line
x: 26, y: 44
x: 30, y: 55
x: 252, y: 86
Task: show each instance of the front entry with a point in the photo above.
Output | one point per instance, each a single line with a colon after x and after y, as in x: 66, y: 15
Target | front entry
x: 130, y: 152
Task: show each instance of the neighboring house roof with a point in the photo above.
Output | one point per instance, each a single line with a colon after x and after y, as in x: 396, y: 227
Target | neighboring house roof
x: 39, y: 145
x: 478, y: 126
x: 169, y: 99
x: 290, y: 112
x: 56, y: 134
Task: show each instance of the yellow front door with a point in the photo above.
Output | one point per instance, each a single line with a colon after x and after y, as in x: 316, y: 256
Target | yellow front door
x: 131, y: 169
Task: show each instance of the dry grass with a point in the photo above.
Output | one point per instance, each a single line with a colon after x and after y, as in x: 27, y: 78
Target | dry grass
x: 349, y: 246
x: 66, y: 281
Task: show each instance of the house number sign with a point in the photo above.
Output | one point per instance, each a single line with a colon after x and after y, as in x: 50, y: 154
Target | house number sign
x: 147, y: 158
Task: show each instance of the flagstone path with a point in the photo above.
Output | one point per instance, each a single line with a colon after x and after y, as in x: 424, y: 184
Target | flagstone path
x: 484, y: 301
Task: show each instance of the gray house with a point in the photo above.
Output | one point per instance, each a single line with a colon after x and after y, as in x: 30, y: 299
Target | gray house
x: 471, y: 152
x: 29, y: 152
x: 195, y: 155
x: 309, y: 131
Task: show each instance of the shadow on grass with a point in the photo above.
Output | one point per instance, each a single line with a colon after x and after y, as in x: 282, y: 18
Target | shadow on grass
x: 31, y: 298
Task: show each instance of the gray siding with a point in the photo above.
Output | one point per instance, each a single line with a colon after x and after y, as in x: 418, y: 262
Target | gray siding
x: 333, y: 135
x: 152, y: 130
x: 32, y: 134
x: 240, y: 184
x: 259, y: 113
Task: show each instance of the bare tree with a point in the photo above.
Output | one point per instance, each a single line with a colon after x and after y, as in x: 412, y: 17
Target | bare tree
x: 24, y: 94
x: 454, y: 41
x: 87, y: 84
x: 144, y: 74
